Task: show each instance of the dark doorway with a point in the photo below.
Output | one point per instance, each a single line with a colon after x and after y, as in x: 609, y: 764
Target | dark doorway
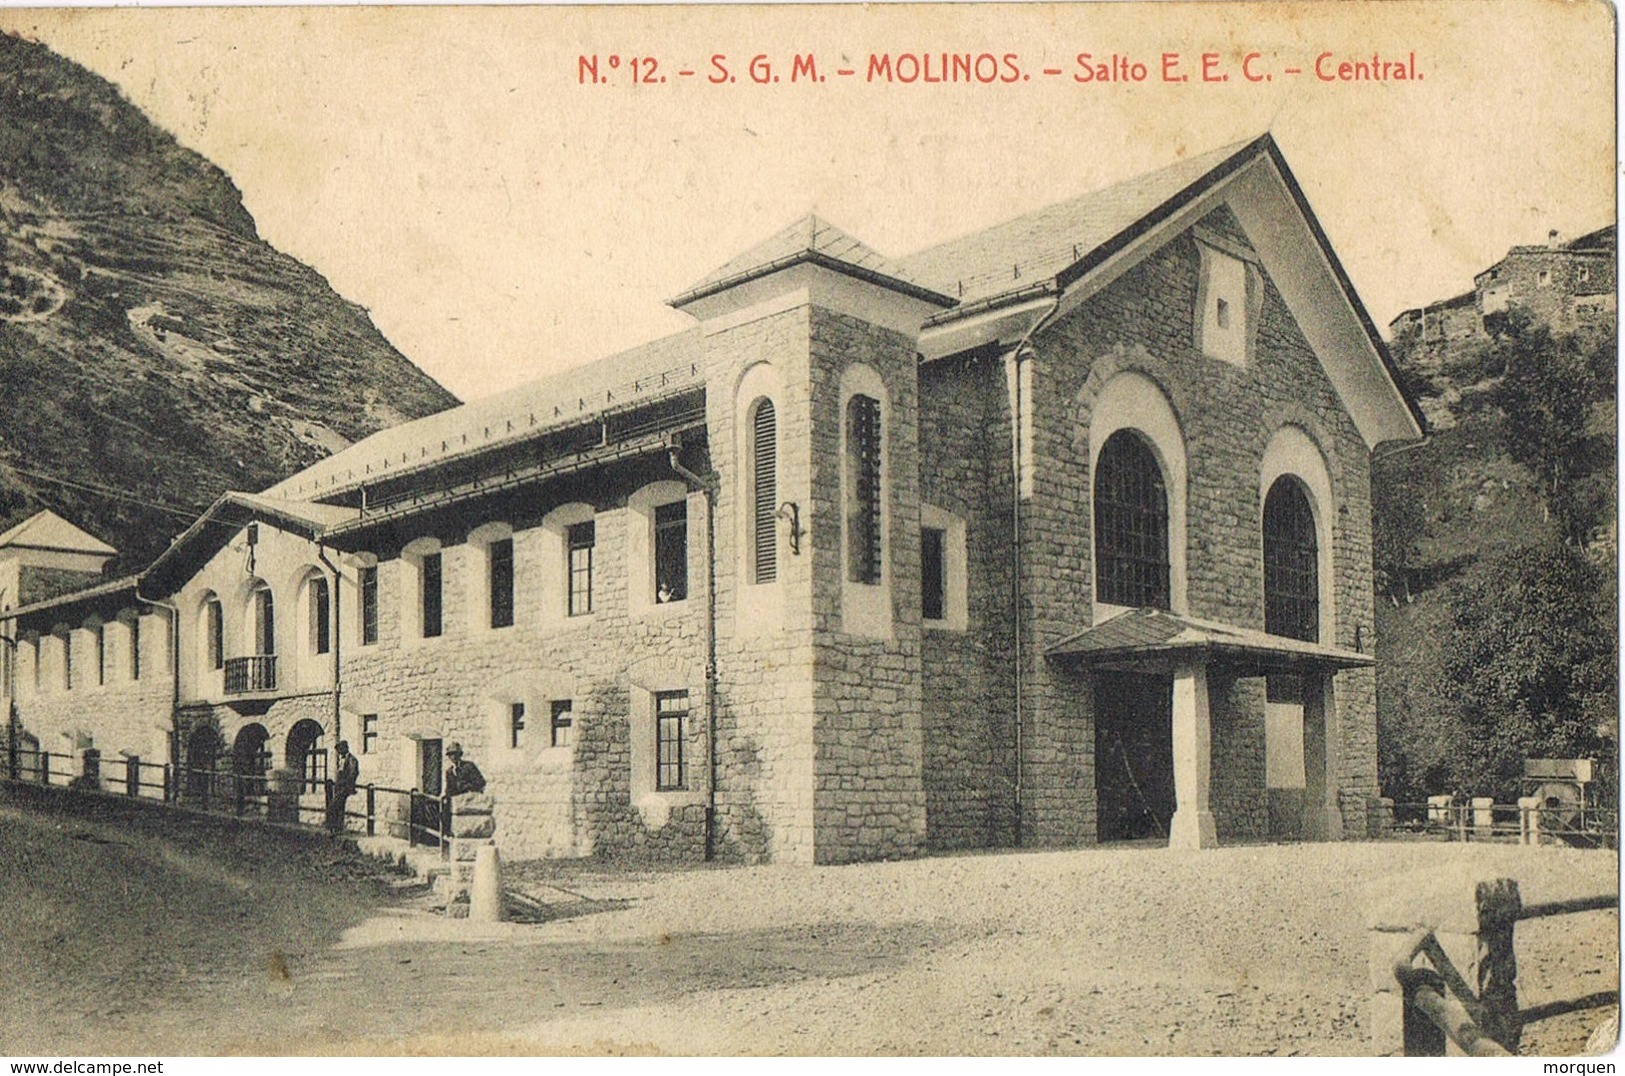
x: 251, y: 761
x: 1134, y: 755
x: 426, y: 807
x: 202, y: 755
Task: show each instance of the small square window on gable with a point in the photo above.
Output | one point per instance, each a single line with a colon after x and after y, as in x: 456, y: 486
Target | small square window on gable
x: 1229, y: 296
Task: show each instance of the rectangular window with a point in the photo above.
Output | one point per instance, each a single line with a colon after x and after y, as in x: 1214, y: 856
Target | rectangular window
x: 101, y: 655
x: 671, y: 552
x: 67, y: 662
x: 369, y: 605
x: 563, y: 722
x: 671, y: 713
x: 863, y: 466
x: 135, y: 648
x: 369, y: 733
x: 516, y: 724
x: 321, y: 617
x: 933, y: 573
x: 431, y: 595
x: 581, y: 539
x: 501, y: 576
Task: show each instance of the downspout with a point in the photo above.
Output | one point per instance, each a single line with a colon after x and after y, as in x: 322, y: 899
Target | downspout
x: 338, y: 586
x: 706, y: 484
x: 174, y: 612
x: 1021, y: 351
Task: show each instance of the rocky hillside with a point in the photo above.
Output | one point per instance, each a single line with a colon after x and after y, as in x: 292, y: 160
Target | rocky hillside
x: 154, y: 351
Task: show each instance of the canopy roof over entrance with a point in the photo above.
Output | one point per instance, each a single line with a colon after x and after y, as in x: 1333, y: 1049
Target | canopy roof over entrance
x: 1153, y: 640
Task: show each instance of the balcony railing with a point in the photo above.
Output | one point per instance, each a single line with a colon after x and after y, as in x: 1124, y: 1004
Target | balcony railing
x: 256, y: 673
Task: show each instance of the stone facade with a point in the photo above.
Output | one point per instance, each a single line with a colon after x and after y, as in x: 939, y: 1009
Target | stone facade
x: 796, y: 702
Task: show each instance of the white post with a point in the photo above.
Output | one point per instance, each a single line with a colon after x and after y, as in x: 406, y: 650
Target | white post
x: 1323, y: 820
x: 1192, y: 826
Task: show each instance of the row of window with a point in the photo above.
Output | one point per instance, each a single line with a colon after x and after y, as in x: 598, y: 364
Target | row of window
x: 104, y: 670
x: 670, y: 734
x: 1131, y: 540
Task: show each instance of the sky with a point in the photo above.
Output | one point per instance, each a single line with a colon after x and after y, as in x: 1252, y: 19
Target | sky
x: 502, y: 217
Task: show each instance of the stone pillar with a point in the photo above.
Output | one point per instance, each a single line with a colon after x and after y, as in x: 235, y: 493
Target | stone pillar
x: 1192, y: 826
x: 1322, y: 819
x: 473, y: 828
x: 1483, y: 816
x: 1529, y: 819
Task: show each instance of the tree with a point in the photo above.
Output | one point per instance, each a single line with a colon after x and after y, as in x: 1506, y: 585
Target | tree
x: 1550, y: 386
x: 1531, y: 662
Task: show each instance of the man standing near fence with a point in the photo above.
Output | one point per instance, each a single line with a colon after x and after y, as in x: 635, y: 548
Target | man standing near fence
x: 347, y: 773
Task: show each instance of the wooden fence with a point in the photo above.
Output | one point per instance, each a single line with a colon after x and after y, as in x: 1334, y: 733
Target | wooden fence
x: 1439, y: 1006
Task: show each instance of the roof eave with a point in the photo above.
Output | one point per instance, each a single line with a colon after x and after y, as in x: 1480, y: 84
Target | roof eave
x: 870, y: 276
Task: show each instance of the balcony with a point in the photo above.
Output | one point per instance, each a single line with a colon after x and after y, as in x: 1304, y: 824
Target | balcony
x: 247, y: 675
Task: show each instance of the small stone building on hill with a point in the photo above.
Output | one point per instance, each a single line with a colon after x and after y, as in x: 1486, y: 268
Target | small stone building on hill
x: 1052, y: 534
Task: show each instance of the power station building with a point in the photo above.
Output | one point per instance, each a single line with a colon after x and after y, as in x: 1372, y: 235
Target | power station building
x: 1051, y: 534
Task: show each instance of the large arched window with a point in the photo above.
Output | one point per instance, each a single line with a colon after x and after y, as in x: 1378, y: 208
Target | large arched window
x: 1131, y: 524
x: 764, y: 480
x: 1291, y: 563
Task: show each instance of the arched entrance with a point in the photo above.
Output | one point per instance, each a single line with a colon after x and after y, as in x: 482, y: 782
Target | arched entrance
x: 202, y: 755
x: 251, y: 761
x: 305, y: 755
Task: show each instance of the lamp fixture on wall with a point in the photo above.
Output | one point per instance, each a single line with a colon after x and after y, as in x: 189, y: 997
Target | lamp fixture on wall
x: 791, y: 512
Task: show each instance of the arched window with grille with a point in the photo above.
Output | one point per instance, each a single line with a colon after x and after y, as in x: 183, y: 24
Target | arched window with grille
x: 1291, y: 563
x: 764, y: 468
x: 1131, y: 525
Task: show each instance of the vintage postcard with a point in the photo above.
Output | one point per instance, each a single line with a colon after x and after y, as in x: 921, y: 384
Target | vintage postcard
x: 919, y: 529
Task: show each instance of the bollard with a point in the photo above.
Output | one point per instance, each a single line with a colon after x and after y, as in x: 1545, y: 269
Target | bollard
x: 1483, y: 816
x: 485, y: 895
x: 1529, y: 819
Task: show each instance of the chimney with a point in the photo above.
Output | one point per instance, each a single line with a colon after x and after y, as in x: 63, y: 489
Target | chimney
x: 1551, y: 239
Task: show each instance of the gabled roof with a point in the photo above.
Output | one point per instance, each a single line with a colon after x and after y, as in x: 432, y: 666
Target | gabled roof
x: 232, y: 511
x: 1156, y: 638
x: 1019, y: 253
x: 660, y: 368
x: 814, y: 240
x: 48, y: 531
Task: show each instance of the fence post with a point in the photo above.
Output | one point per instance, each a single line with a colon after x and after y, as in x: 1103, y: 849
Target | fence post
x: 445, y: 825
x: 372, y: 824
x: 1529, y: 815
x: 237, y: 793
x: 1499, y: 904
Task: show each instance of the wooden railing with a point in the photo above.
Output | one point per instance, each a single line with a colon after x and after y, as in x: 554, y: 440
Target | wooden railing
x: 421, y: 817
x: 1525, y: 822
x: 1440, y: 1006
x: 254, y: 673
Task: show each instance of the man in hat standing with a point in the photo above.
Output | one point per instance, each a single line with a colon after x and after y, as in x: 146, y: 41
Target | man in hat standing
x: 461, y: 776
x: 343, y: 787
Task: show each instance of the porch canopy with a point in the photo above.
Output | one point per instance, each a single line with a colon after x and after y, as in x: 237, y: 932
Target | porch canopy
x: 1158, y: 642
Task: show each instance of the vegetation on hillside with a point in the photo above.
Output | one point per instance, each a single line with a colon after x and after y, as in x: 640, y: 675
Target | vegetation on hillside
x: 1494, y: 546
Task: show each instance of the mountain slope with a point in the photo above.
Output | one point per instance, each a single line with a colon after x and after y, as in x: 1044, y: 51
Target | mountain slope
x: 154, y: 351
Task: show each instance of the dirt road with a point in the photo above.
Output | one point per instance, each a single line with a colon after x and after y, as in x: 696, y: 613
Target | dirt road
x: 141, y: 937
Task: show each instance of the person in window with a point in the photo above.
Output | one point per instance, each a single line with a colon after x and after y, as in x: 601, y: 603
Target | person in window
x: 342, y: 788
x: 461, y: 776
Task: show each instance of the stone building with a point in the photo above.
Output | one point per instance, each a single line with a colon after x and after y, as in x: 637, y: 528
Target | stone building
x: 1565, y: 285
x: 1051, y: 534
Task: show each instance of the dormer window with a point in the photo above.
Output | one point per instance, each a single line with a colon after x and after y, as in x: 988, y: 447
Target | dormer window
x: 1228, y: 301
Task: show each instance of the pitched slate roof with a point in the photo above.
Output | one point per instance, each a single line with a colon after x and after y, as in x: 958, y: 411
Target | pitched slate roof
x: 1153, y: 636
x: 47, y: 530
x: 810, y: 239
x: 659, y: 368
x: 1038, y: 246
x: 125, y: 584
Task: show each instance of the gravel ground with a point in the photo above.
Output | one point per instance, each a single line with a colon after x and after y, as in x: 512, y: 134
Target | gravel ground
x: 142, y: 938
